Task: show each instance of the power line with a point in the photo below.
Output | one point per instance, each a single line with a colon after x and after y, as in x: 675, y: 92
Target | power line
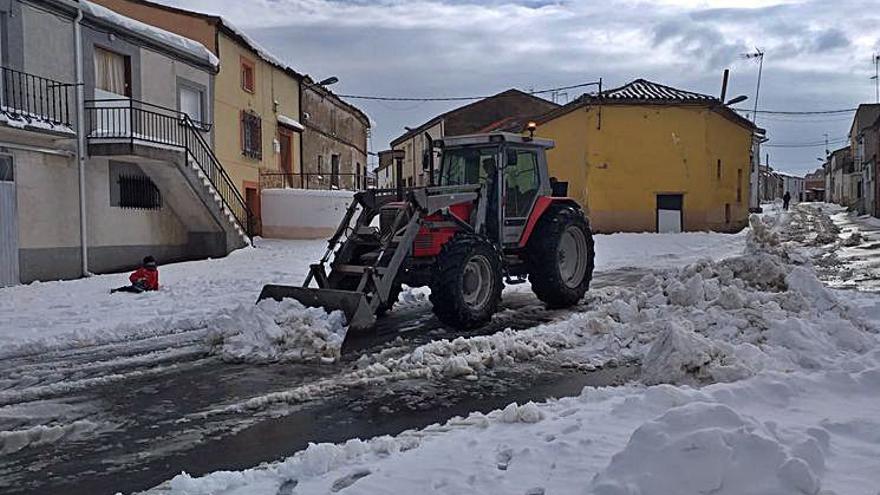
x: 460, y: 98
x: 790, y: 112
x: 807, y: 145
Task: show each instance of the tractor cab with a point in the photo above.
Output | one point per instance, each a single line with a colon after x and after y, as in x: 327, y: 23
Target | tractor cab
x: 514, y: 162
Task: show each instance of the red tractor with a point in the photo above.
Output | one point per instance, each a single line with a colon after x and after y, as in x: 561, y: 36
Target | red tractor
x: 495, y: 216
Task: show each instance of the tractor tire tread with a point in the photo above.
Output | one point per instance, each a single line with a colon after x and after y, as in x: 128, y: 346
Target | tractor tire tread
x: 544, y: 273
x: 446, y: 297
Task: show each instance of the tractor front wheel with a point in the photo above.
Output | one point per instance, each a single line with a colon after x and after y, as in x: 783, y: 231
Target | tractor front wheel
x: 466, y: 282
x: 560, y: 254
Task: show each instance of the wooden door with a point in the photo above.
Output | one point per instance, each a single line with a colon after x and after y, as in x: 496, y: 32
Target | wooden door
x: 252, y: 199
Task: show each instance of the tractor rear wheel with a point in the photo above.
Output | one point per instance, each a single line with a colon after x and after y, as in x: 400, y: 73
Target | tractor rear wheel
x: 560, y: 255
x: 466, y: 282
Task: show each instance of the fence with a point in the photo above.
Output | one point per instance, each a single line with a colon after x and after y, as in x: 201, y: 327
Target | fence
x: 308, y: 180
x: 34, y: 98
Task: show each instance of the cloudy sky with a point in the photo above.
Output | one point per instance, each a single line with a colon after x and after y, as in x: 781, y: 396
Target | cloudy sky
x: 818, y: 53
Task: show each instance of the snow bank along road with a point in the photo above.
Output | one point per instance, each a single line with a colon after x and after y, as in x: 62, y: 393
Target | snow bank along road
x: 755, y: 378
x: 98, y: 389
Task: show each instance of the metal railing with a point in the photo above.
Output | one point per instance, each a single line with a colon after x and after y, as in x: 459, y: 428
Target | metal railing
x: 314, y: 180
x: 136, y: 121
x: 34, y: 98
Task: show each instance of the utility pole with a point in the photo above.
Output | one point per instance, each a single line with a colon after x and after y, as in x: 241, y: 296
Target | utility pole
x: 759, y: 55
x: 876, y: 78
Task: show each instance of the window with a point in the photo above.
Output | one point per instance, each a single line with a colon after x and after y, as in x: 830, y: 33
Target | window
x: 248, y: 75
x: 112, y: 72
x: 467, y: 166
x: 718, y: 170
x: 138, y: 191
x: 334, y: 171
x: 320, y: 164
x: 726, y: 212
x: 251, y: 135
x: 739, y: 186
x: 357, y: 171
x: 191, y: 101
x: 521, y: 177
x: 7, y: 174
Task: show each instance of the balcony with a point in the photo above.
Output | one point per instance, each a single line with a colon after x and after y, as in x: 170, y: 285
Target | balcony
x: 33, y: 102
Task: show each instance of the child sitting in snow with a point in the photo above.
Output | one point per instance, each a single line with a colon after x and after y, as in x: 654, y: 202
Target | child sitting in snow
x: 144, y: 278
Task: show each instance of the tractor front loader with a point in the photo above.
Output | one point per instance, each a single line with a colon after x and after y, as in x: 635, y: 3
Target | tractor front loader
x: 495, y: 216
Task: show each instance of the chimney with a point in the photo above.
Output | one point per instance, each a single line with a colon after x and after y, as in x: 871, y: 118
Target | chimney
x: 724, y: 85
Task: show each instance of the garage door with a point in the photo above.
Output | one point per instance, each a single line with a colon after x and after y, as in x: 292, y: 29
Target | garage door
x: 8, y: 224
x: 669, y: 215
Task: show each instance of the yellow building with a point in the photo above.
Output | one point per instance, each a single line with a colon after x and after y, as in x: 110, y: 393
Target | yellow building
x: 256, y: 106
x: 650, y: 158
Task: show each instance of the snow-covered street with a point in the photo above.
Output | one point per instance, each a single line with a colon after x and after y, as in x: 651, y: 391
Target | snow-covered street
x: 712, y: 363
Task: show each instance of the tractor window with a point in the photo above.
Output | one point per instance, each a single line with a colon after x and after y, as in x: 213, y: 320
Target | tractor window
x: 467, y: 166
x: 521, y: 176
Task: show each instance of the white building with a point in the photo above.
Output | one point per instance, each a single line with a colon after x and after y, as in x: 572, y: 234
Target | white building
x: 793, y: 185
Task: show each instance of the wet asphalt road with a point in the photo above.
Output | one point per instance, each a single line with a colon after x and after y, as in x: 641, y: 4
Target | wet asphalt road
x: 156, y: 425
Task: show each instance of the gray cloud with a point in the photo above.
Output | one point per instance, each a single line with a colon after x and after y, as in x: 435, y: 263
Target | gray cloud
x: 455, y: 47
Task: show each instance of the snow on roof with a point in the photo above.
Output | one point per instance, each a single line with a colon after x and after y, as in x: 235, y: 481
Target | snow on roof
x: 290, y: 122
x: 158, y: 35
x: 252, y: 44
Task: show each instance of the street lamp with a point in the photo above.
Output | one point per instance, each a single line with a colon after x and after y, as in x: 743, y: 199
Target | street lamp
x: 738, y: 99
x: 327, y: 82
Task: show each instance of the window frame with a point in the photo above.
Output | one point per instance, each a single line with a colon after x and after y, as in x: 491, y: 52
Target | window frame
x: 126, y: 61
x: 248, y: 117
x: 537, y: 181
x: 247, y: 64
x: 182, y: 84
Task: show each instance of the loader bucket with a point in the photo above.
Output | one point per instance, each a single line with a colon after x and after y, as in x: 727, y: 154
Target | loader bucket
x: 358, y: 313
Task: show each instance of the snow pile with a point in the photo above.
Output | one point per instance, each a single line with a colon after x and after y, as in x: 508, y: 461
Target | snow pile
x: 681, y: 355
x: 278, y: 331
x: 314, y: 461
x: 721, y: 452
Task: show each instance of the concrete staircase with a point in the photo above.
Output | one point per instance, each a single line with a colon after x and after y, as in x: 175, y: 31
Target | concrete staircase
x: 168, y: 146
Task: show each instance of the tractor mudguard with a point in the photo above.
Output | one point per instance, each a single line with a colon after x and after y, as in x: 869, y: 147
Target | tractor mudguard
x: 541, y: 206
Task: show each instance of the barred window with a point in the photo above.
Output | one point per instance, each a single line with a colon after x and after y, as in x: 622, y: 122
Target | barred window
x: 251, y: 135
x: 138, y: 191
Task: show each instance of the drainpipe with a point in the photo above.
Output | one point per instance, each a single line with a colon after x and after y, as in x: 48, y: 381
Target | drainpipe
x: 81, y: 140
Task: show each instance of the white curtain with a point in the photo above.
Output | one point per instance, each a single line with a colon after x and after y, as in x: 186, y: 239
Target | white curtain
x: 109, y: 71
x: 191, y: 103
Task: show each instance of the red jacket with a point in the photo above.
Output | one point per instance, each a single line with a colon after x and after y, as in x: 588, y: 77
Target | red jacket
x: 148, y: 276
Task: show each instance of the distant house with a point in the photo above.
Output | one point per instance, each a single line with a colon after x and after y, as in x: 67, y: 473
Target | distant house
x: 814, y: 185
x: 509, y: 110
x: 794, y: 186
x: 390, y: 166
x: 839, y: 178
x: 650, y: 157
x: 863, y: 141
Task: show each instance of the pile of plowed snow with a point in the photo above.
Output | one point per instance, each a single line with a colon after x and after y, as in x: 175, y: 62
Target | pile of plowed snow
x: 707, y: 322
x: 278, y: 331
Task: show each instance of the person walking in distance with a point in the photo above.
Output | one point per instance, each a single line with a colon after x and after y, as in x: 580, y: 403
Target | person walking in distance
x: 786, y: 198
